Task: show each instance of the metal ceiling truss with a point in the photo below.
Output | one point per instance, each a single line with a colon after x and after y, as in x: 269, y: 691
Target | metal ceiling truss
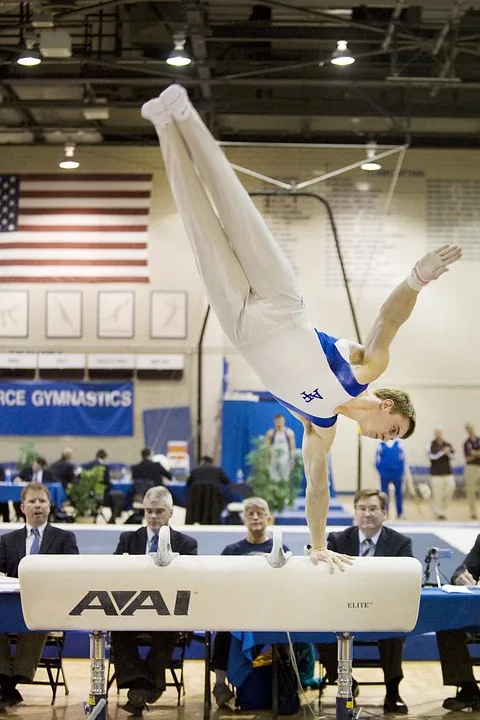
x: 261, y: 71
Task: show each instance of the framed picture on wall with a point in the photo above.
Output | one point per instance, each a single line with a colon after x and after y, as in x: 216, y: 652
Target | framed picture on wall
x: 115, y: 314
x: 168, y: 314
x: 63, y: 314
x: 14, y: 313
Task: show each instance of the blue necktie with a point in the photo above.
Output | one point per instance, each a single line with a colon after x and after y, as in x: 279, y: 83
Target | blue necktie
x: 35, y: 549
x: 368, y: 547
x: 154, y: 544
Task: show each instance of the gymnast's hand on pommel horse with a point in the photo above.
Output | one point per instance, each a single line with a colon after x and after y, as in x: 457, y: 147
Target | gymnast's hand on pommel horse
x: 254, y: 293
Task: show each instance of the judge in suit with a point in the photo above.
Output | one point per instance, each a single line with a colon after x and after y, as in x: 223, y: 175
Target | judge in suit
x: 37, y: 472
x: 455, y: 659
x: 38, y: 536
x: 371, y: 537
x: 145, y: 679
x: 147, y: 469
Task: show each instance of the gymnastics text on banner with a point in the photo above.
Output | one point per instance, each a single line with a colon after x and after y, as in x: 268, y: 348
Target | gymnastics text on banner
x: 66, y: 408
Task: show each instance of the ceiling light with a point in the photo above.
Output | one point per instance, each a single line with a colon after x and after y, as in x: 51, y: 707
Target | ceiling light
x: 29, y: 58
x: 371, y: 165
x: 68, y: 162
x: 179, y: 57
x: 342, y: 55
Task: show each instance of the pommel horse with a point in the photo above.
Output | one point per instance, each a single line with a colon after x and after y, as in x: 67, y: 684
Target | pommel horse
x: 167, y: 591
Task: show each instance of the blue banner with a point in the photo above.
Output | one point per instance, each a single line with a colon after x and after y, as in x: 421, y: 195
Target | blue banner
x: 66, y: 408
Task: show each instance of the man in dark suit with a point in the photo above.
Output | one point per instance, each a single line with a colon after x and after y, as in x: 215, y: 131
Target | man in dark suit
x: 205, y: 498
x: 37, y: 472
x: 455, y: 659
x: 371, y: 537
x: 100, y: 459
x: 147, y: 469
x: 38, y: 536
x: 63, y: 469
x: 145, y: 679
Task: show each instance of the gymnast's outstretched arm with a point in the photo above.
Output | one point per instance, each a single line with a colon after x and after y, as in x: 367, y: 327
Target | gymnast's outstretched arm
x: 372, y: 359
x: 315, y: 450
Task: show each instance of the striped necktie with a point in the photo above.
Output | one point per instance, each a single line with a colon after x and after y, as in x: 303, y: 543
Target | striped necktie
x: 35, y: 549
x: 368, y: 548
x: 154, y: 544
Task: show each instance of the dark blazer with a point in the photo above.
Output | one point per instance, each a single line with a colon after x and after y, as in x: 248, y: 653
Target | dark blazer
x: 54, y: 542
x: 390, y: 543
x: 27, y: 475
x: 135, y: 543
x: 208, y: 475
x: 106, y: 474
x: 471, y: 562
x: 150, y: 470
x: 63, y: 471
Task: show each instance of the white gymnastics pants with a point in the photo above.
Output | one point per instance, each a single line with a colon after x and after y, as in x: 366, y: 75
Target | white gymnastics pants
x: 250, y: 285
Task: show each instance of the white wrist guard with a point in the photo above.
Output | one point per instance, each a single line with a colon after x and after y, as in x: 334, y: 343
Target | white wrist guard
x: 415, y: 281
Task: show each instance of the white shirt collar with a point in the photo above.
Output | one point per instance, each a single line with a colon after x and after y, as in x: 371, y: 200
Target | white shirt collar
x: 362, y: 536
x: 41, y: 529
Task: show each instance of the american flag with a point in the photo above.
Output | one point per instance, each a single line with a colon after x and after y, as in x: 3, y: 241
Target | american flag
x: 74, y: 228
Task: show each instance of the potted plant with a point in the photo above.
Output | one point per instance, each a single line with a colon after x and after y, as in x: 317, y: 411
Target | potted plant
x: 26, y: 456
x: 86, y: 492
x: 279, y: 494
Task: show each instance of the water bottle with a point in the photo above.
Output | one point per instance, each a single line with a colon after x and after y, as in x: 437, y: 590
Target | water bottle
x: 239, y: 476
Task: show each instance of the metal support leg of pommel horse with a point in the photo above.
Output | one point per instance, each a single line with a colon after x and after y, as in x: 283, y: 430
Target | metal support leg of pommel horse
x: 96, y: 708
x: 345, y: 702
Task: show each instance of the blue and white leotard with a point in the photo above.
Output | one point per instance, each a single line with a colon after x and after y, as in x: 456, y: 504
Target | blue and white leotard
x: 306, y: 370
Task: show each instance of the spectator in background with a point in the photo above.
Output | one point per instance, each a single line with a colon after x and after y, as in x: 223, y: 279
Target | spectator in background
x: 37, y: 472
x: 145, y: 679
x: 442, y: 482
x: 205, y: 498
x: 38, y: 536
x: 147, y: 469
x: 100, y: 459
x: 390, y: 463
x: 472, y: 469
x: 63, y: 470
x: 370, y: 537
x: 281, y: 440
x: 256, y: 517
x: 455, y: 659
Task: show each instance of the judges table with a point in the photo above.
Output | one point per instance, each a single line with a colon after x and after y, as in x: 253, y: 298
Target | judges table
x: 439, y: 610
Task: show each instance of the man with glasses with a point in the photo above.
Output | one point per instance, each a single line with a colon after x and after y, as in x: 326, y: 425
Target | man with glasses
x: 256, y: 517
x: 370, y: 537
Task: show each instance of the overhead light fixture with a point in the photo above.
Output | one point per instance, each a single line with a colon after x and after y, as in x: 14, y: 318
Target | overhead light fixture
x: 69, y: 162
x: 29, y: 58
x: 371, y: 165
x: 179, y: 56
x: 342, y: 55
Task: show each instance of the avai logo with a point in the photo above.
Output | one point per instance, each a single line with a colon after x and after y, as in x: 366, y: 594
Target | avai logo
x: 128, y: 602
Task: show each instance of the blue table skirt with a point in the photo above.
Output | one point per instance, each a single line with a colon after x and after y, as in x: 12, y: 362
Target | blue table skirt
x: 438, y: 611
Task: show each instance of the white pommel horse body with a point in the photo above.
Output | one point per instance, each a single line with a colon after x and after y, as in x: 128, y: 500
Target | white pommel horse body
x: 167, y: 591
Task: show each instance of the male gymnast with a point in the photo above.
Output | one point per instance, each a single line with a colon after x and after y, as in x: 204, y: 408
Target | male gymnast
x: 254, y: 293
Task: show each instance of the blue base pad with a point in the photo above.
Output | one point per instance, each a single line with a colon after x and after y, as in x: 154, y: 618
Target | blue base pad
x: 297, y: 517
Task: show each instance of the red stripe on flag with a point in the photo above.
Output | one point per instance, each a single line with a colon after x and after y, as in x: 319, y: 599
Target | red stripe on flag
x: 83, y: 211
x: 83, y: 177
x: 85, y: 193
